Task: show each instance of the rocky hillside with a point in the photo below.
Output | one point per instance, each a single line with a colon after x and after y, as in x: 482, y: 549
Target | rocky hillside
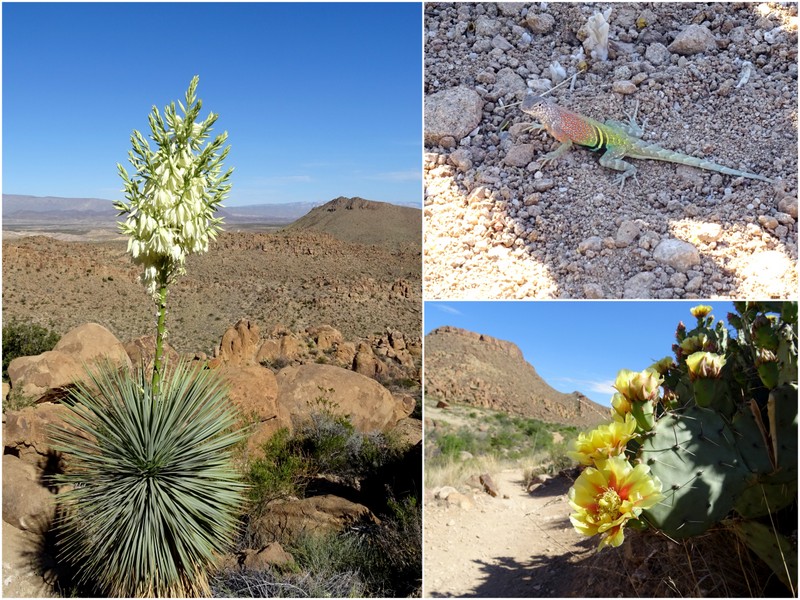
x: 296, y: 279
x: 364, y: 222
x: 466, y: 367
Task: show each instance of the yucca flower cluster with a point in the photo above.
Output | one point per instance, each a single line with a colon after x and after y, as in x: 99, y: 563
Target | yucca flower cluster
x: 174, y: 192
x: 611, y: 491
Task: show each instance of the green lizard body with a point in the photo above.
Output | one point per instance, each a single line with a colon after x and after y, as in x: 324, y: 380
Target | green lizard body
x: 618, y: 139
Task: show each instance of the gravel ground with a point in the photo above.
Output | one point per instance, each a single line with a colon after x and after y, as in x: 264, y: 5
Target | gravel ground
x: 716, y: 80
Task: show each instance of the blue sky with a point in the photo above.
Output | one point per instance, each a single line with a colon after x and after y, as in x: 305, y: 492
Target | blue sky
x: 577, y: 345
x: 319, y: 100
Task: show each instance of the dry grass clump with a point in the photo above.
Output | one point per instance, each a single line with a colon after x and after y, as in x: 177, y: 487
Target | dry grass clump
x: 648, y: 564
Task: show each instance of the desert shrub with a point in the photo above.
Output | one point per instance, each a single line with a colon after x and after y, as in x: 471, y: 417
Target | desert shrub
x: 280, y: 472
x: 16, y: 400
x: 153, y: 496
x: 276, y: 364
x: 271, y: 583
x: 25, y: 339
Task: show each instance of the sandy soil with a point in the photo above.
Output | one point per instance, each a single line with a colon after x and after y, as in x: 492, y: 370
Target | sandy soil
x: 519, y: 544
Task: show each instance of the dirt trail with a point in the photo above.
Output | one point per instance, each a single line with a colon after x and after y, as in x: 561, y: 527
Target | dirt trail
x: 519, y: 544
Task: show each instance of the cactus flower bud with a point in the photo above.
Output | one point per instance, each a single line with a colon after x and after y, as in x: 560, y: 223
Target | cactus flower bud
x: 705, y: 365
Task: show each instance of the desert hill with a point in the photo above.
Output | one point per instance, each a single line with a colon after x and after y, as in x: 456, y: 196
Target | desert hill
x: 294, y: 279
x: 364, y: 222
x: 466, y: 367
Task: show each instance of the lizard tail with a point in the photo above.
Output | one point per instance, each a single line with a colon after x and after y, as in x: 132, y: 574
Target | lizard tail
x: 654, y: 152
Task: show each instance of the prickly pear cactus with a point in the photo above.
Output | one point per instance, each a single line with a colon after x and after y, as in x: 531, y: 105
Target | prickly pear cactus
x: 694, y: 456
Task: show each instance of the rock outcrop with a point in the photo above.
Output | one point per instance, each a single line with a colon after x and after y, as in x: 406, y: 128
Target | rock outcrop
x: 471, y: 368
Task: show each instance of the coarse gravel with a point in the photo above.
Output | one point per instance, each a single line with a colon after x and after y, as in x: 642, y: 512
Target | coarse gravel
x: 714, y: 80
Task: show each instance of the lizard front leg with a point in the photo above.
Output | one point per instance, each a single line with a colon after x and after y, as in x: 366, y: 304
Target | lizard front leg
x: 612, y: 159
x: 551, y: 156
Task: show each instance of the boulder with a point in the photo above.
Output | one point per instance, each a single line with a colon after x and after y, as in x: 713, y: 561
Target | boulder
x: 26, y: 432
x: 489, y: 485
x: 317, y: 514
x: 284, y: 348
x: 86, y: 344
x: 404, y: 406
x: 27, y: 505
x: 325, y: 336
x: 240, y: 344
x: 254, y: 392
x: 366, y: 363
x: 142, y: 351
x: 91, y: 342
x: 271, y: 555
x: 409, y: 431
x: 369, y: 405
x: 33, y: 376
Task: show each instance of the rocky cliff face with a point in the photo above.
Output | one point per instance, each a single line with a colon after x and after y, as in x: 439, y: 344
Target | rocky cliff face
x: 466, y: 367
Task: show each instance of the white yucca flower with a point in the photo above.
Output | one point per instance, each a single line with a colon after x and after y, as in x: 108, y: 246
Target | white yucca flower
x: 174, y: 192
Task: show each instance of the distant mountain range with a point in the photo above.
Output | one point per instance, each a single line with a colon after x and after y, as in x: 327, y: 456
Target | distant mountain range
x: 47, y: 211
x: 471, y: 368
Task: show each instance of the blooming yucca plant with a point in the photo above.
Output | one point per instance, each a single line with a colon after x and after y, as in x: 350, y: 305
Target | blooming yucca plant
x: 151, y: 495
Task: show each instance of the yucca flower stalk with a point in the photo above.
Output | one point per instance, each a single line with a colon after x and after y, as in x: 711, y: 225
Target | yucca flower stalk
x: 151, y: 494
x: 172, y: 197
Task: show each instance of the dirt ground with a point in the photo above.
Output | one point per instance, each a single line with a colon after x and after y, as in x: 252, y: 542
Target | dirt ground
x: 499, y: 224
x: 519, y: 544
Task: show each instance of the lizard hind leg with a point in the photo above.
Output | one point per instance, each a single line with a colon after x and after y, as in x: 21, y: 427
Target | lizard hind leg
x: 612, y: 159
x: 631, y: 127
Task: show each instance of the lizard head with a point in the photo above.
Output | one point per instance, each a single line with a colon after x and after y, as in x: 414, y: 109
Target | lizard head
x: 533, y: 105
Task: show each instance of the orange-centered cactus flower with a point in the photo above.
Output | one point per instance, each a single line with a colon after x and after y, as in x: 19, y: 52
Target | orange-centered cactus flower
x: 607, y: 497
x: 604, y: 441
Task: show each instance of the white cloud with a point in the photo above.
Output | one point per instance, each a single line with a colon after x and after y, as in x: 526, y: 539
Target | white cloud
x: 446, y: 308
x: 602, y: 386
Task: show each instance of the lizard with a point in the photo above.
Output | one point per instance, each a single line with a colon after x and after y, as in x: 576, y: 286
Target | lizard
x: 618, y: 139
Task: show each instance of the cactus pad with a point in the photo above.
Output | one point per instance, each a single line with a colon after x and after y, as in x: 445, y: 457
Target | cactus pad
x: 693, y: 455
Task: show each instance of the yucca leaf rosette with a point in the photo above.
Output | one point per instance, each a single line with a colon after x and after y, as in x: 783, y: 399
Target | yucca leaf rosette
x: 152, y: 496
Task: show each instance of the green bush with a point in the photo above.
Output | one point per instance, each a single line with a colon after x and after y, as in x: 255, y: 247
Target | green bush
x: 279, y: 473
x: 25, y: 339
x: 154, y: 497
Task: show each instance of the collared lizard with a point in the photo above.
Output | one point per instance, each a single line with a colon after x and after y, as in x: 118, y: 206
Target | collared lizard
x: 618, y: 139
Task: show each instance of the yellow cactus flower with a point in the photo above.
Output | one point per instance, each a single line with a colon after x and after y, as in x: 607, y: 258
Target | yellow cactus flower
x: 662, y: 366
x: 638, y: 387
x: 705, y: 365
x: 701, y: 311
x: 603, y: 441
x: 621, y: 407
x: 695, y: 343
x: 605, y: 498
